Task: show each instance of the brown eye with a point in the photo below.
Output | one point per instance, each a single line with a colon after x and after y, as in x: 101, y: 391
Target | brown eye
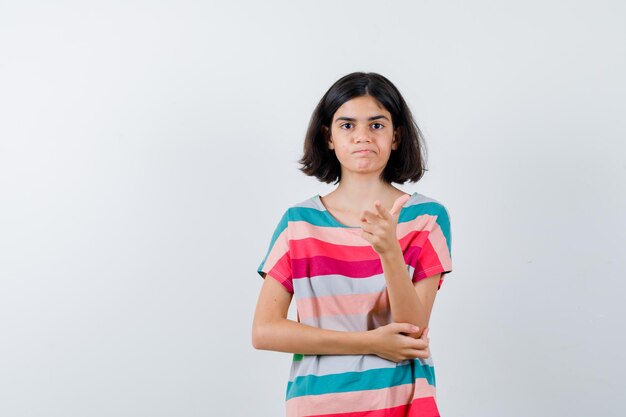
x: 377, y: 126
x: 346, y: 125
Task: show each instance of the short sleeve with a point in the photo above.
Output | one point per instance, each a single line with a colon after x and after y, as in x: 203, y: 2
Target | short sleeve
x: 277, y: 260
x: 430, y: 248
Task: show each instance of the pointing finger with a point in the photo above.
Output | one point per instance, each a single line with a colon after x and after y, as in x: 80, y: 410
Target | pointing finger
x: 367, y: 215
x: 384, y: 214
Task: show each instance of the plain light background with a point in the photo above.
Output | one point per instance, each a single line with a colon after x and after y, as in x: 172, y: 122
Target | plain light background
x: 148, y: 149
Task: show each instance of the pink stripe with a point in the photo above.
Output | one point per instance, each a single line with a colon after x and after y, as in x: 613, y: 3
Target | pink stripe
x: 349, y: 401
x: 348, y: 304
x: 333, y: 235
x: 400, y: 411
x: 423, y: 389
x: 338, y: 236
x: 420, y: 223
x: 312, y: 247
x: 280, y: 248
x: 362, y: 259
x: 439, y: 244
x: 421, y: 407
x: 357, y: 400
x: 316, y: 266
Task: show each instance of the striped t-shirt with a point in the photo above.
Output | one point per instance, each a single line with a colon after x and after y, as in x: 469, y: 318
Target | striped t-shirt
x: 338, y: 283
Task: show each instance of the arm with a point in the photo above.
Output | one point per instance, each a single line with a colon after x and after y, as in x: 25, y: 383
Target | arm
x: 271, y: 330
x: 410, y: 302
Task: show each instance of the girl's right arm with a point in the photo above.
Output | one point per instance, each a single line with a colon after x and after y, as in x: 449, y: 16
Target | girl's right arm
x: 271, y: 330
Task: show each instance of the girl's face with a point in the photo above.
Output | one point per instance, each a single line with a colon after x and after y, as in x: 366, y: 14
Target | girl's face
x: 362, y: 135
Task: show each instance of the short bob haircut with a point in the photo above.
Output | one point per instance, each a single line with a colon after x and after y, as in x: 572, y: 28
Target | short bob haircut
x: 407, y: 163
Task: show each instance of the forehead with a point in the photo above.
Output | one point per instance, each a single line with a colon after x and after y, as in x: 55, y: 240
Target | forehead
x: 361, y: 107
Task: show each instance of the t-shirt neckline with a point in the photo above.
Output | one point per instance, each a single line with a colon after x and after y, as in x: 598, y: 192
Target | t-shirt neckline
x: 318, y: 200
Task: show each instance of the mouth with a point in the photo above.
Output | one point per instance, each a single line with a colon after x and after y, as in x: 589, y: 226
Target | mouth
x: 363, y: 151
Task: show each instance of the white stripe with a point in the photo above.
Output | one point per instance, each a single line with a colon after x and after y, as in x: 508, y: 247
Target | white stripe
x: 333, y: 284
x: 320, y: 365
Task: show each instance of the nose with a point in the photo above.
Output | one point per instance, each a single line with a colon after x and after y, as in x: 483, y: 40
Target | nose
x: 361, y: 134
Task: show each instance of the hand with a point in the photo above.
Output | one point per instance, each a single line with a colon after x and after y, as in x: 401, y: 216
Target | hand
x: 389, y: 342
x: 379, y: 228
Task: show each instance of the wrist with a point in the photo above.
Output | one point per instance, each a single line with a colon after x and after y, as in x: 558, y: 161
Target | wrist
x: 366, y: 342
x: 392, y: 254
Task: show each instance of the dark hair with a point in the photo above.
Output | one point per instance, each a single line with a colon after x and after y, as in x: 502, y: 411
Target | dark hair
x: 407, y: 163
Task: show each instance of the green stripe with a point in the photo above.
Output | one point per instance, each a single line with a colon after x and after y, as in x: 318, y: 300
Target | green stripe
x: 359, y: 381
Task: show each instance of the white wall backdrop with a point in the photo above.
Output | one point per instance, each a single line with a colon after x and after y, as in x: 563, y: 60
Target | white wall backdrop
x: 147, y: 150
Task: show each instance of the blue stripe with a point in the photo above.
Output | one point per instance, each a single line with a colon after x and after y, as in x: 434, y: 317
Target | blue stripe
x: 312, y: 215
x: 282, y: 225
x: 432, y: 209
x: 359, y: 381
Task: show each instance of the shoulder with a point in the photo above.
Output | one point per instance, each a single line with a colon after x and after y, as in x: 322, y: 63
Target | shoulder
x: 427, y: 213
x: 300, y: 210
x: 309, y: 203
x: 420, y: 204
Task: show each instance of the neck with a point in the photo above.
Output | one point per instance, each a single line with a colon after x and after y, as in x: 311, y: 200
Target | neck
x: 361, y: 191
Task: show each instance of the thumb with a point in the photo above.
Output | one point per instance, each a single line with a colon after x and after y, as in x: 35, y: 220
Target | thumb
x: 407, y: 328
x: 397, y: 205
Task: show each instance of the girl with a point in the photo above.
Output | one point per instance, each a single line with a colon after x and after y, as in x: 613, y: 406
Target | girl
x: 364, y: 263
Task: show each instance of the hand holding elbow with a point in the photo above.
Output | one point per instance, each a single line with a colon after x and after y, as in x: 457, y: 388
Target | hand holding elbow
x: 393, y: 343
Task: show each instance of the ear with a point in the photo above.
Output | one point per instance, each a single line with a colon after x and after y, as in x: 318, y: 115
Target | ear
x: 329, y: 138
x: 397, y: 134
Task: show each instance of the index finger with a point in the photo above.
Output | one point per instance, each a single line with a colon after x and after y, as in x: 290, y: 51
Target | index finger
x: 381, y: 210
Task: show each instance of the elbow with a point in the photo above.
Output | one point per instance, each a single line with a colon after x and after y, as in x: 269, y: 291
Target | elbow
x: 258, y: 337
x: 418, y: 334
x: 264, y: 335
x: 422, y: 326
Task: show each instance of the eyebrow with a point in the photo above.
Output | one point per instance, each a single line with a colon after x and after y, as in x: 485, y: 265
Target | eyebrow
x: 352, y: 119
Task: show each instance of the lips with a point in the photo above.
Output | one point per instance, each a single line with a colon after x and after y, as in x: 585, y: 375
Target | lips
x: 363, y: 151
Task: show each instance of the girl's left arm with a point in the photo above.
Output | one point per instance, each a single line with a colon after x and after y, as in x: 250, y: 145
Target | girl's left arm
x: 409, y: 302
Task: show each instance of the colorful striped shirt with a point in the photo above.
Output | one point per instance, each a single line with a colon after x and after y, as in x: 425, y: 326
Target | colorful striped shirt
x: 338, y: 284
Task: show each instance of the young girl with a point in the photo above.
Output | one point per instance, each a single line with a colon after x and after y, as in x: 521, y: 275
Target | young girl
x: 364, y: 263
